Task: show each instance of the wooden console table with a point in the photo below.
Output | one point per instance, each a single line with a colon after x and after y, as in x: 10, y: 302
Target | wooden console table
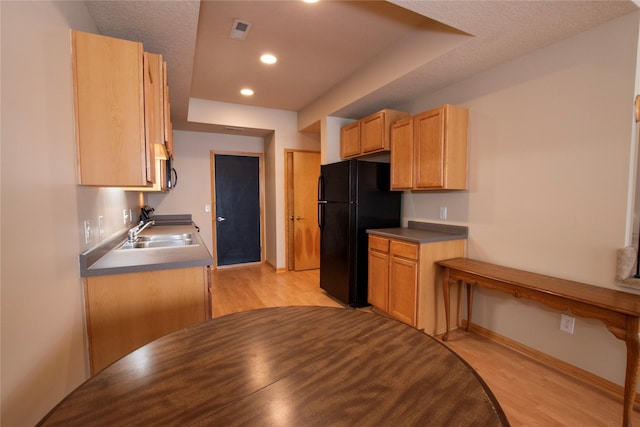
x: 618, y: 310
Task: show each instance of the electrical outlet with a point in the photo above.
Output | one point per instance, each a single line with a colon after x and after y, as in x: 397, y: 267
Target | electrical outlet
x: 567, y: 323
x: 101, y: 226
x: 207, y: 208
x: 87, y: 232
x: 443, y: 212
x: 125, y: 216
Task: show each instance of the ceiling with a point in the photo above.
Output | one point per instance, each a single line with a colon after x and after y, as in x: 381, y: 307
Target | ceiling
x: 386, y: 52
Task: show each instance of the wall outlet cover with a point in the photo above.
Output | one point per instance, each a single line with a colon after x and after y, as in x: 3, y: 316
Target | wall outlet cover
x: 87, y: 231
x: 567, y: 323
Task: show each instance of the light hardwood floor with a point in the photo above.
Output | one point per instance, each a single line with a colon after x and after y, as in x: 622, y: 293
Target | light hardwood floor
x: 530, y: 393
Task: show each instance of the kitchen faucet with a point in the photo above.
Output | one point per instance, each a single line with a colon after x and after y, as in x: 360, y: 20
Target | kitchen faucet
x: 134, y: 231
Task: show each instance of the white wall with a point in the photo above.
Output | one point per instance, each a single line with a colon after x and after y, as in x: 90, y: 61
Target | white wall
x: 550, y: 140
x: 330, y: 141
x: 43, y: 354
x: 192, y: 163
x: 285, y: 136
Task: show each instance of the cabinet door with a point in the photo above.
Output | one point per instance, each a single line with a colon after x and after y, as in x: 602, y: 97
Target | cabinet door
x: 372, y: 133
x: 153, y: 110
x: 350, y: 140
x: 109, y: 109
x: 428, y: 134
x: 378, y: 272
x: 403, y: 276
x: 126, y: 311
x: 168, y: 126
x: 402, y: 155
x: 403, y: 281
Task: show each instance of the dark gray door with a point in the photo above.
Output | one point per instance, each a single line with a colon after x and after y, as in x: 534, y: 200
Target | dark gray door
x: 237, y: 187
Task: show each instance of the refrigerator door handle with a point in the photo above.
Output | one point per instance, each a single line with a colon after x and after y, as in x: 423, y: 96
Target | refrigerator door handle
x: 320, y: 215
x: 320, y: 188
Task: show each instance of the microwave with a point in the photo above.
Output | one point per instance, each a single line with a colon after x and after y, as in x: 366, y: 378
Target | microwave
x: 170, y: 177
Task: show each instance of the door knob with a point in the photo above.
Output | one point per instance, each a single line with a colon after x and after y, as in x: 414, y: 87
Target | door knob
x: 221, y: 218
x: 291, y: 218
x: 298, y: 218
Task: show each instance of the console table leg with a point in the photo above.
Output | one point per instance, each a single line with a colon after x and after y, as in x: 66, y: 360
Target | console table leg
x: 445, y: 294
x: 631, y: 374
x: 469, y: 304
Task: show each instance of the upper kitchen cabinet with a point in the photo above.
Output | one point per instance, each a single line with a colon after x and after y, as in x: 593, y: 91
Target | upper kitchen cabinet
x: 369, y: 135
x: 156, y: 105
x: 154, y: 101
x: 168, y: 126
x: 429, y: 150
x: 109, y: 81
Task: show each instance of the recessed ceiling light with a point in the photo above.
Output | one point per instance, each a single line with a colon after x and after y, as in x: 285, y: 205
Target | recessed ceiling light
x: 246, y: 92
x: 310, y: 1
x: 268, y: 58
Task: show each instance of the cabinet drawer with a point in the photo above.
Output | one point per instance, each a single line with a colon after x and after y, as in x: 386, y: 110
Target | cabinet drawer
x: 404, y: 249
x: 379, y: 244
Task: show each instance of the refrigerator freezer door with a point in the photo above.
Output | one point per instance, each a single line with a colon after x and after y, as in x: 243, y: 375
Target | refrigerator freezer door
x: 336, y: 184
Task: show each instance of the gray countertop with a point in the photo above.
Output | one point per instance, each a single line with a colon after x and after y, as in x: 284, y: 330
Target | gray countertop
x: 106, y: 260
x: 423, y: 232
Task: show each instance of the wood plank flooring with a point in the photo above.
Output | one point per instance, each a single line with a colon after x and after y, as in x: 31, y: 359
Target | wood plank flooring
x: 530, y: 393
x: 256, y: 286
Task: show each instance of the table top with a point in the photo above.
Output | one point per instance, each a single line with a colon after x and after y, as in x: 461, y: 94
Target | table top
x: 609, y: 299
x: 286, y: 366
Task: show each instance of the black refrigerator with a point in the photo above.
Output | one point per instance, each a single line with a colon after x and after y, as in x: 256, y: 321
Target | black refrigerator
x: 353, y: 196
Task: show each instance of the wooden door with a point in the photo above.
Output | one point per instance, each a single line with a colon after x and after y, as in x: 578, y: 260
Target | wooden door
x: 238, y: 224
x: 303, y: 170
x: 428, y: 133
x: 402, y: 155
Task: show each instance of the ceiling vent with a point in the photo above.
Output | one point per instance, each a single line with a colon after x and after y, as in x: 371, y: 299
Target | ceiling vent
x: 239, y: 29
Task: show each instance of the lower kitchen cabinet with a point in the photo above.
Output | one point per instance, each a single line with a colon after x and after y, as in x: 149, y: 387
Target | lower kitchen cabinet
x: 403, y: 281
x: 127, y: 311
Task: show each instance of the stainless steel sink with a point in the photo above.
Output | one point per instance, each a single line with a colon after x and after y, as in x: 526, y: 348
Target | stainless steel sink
x: 159, y: 241
x: 160, y: 237
x: 162, y: 243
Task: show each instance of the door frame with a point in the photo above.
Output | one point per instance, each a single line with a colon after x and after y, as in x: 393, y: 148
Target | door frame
x: 288, y: 247
x: 212, y: 169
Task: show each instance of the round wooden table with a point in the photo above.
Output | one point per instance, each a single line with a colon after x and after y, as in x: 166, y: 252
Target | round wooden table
x: 286, y: 366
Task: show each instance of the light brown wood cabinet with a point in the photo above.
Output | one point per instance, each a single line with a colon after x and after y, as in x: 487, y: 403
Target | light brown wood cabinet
x: 156, y: 121
x: 410, y: 290
x: 429, y: 150
x: 119, y: 94
x: 127, y: 311
x: 369, y: 135
x: 168, y: 125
